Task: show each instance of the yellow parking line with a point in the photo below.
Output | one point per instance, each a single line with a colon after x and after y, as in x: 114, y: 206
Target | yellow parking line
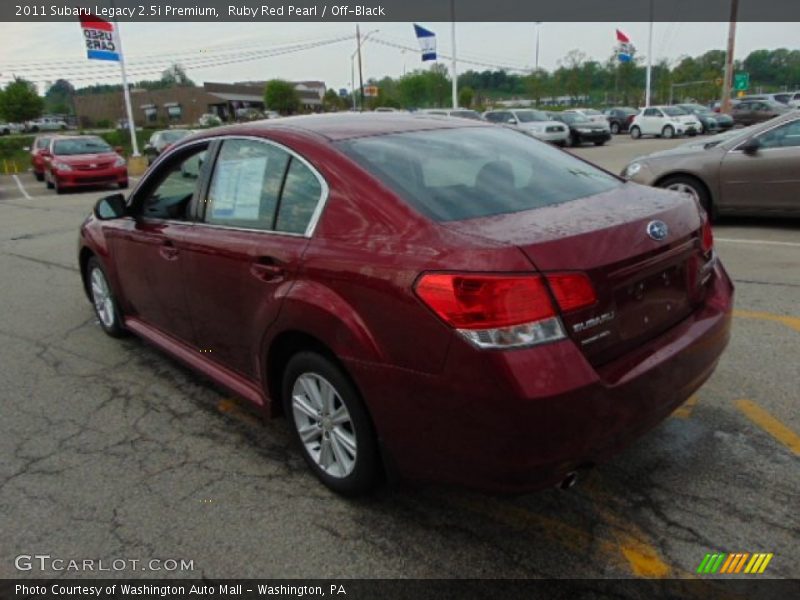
x: 792, y: 322
x: 770, y: 424
x: 684, y: 411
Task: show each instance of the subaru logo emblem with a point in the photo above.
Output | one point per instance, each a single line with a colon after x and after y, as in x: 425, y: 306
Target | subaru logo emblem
x: 657, y: 230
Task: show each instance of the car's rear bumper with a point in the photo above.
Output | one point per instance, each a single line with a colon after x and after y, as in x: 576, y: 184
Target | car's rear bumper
x: 593, y: 136
x: 79, y: 178
x: 516, y: 421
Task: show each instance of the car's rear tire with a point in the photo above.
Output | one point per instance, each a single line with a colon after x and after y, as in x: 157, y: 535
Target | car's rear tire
x: 636, y: 133
x: 614, y: 128
x: 689, y: 185
x: 103, y: 301
x: 668, y: 132
x: 329, y: 421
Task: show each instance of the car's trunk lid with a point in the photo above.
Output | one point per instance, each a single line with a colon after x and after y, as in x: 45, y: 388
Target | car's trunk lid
x: 644, y: 285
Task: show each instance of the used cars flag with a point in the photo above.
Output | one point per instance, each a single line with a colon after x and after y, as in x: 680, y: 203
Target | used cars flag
x: 427, y: 42
x: 101, y: 39
x: 625, y: 49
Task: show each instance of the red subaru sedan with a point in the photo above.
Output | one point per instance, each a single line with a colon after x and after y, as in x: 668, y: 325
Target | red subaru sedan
x: 441, y: 299
x: 76, y: 161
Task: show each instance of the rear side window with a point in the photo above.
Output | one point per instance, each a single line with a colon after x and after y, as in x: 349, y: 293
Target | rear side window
x: 301, y: 194
x: 454, y: 174
x: 42, y: 143
x: 246, y: 184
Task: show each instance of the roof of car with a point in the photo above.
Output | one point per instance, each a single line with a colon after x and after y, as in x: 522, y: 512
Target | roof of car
x: 343, y: 126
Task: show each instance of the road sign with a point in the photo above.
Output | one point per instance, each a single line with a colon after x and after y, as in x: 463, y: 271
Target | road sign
x: 371, y: 90
x: 741, y: 81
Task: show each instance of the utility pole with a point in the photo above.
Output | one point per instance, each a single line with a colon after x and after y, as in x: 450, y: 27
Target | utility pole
x: 725, y: 104
x: 453, y: 40
x: 360, y: 72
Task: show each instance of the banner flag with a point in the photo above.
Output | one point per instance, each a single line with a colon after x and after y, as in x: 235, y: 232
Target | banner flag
x: 427, y: 42
x: 101, y: 39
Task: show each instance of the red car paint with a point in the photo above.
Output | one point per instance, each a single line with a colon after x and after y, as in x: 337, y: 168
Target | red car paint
x: 444, y: 410
x: 86, y: 169
x: 40, y: 149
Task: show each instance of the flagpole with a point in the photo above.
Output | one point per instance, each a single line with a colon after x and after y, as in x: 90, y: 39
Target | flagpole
x: 453, y: 41
x: 649, y: 58
x: 126, y: 92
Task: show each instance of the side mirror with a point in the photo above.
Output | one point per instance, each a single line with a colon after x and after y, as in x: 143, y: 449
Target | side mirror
x: 751, y: 146
x: 512, y: 121
x: 110, y: 207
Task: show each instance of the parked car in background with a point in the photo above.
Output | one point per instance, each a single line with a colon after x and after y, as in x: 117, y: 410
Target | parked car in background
x: 751, y: 171
x: 161, y: 140
x: 40, y: 152
x: 619, y: 118
x: 46, y: 124
x: 563, y: 311
x: 777, y: 97
x: 209, y: 120
x: 537, y: 123
x: 715, y: 106
x: 794, y: 101
x: 582, y: 130
x: 750, y: 112
x: 83, y: 160
x: 9, y: 128
x: 664, y: 121
x: 710, y: 122
x: 461, y: 113
x: 593, y: 115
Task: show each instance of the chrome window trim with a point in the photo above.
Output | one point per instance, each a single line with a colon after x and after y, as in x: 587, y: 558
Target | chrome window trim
x: 315, y: 216
x: 738, y: 146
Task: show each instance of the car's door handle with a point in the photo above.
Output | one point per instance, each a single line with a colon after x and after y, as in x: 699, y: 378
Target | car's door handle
x: 168, y: 251
x: 267, y: 268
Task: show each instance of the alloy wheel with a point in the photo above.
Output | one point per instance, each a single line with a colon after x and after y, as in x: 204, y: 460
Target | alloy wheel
x: 102, y: 299
x: 324, y: 425
x: 684, y: 188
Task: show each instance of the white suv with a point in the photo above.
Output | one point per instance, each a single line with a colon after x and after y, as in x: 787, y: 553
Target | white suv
x: 664, y: 121
x: 46, y: 124
x: 533, y: 122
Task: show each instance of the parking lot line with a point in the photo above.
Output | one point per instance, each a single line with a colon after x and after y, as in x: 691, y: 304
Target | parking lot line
x: 684, y: 411
x: 791, y: 322
x: 21, y: 187
x: 770, y: 424
x: 760, y: 242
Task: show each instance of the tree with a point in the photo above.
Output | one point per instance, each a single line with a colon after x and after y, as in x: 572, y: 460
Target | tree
x: 332, y: 102
x: 176, y: 75
x: 58, y: 98
x: 465, y: 97
x: 20, y: 102
x: 280, y: 96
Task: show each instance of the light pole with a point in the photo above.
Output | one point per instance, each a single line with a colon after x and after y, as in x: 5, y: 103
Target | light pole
x: 538, y: 23
x: 357, y: 52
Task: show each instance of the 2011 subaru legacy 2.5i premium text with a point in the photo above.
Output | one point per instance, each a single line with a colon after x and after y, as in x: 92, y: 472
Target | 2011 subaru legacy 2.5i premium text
x: 443, y: 300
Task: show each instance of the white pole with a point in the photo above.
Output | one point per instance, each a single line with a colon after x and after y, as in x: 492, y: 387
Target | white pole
x: 127, y: 94
x: 453, y: 40
x: 649, y: 58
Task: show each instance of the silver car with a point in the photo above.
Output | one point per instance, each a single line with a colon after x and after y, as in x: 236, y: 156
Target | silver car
x: 533, y: 122
x: 751, y: 171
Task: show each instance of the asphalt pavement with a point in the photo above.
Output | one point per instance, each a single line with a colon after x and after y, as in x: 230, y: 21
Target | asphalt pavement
x: 112, y: 450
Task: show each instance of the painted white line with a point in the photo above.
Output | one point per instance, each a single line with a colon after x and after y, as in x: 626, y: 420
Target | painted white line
x: 21, y: 187
x: 762, y: 242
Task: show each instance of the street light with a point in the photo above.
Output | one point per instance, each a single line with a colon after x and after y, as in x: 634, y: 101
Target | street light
x: 538, y: 23
x: 353, y: 66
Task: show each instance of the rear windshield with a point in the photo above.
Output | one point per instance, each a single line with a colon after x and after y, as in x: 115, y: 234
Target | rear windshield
x: 455, y: 174
x: 80, y: 146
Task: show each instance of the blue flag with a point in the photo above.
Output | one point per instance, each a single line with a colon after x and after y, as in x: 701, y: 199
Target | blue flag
x: 427, y: 42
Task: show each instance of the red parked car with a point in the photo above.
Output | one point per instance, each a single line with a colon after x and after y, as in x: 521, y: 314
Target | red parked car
x: 85, y: 160
x: 40, y: 151
x: 442, y: 299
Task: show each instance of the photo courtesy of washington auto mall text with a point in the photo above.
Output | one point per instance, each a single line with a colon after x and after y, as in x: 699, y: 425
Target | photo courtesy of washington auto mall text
x: 399, y: 299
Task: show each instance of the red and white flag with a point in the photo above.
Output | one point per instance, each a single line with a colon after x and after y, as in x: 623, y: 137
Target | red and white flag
x: 621, y: 37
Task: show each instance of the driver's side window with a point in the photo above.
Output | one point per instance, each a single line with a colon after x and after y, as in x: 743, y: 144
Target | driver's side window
x: 170, y: 197
x: 785, y: 136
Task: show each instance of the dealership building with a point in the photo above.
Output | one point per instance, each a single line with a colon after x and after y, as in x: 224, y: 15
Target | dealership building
x: 185, y: 105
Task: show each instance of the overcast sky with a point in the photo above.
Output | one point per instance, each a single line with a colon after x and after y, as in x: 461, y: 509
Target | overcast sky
x: 46, y: 51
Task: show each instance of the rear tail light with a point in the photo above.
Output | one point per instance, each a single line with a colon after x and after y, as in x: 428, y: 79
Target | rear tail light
x: 706, y: 237
x: 504, y: 311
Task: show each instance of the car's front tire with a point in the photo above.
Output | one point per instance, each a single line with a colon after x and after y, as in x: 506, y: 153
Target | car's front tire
x: 615, y: 128
x: 689, y: 185
x: 48, y: 182
x: 38, y: 176
x: 599, y: 142
x: 636, y: 133
x: 330, y: 422
x: 103, y: 300
x: 668, y: 132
